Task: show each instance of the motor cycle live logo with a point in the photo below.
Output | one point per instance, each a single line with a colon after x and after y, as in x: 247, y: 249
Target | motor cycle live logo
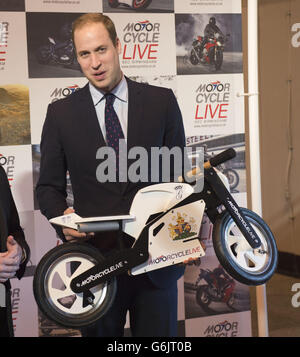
x: 3, y: 43
x: 63, y: 92
x: 222, y: 329
x: 8, y: 163
x: 212, y: 102
x: 141, y: 41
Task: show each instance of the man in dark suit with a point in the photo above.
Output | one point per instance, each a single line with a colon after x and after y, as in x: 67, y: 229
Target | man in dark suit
x: 75, y: 128
x: 14, y: 252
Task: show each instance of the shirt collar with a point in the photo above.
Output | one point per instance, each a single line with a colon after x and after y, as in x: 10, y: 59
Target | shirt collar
x: 120, y: 91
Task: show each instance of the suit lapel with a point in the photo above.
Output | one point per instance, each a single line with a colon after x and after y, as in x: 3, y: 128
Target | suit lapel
x: 135, y: 112
x: 89, y: 126
x: 88, y: 118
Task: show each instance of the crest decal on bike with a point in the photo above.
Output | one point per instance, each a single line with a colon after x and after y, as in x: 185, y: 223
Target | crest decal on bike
x: 184, y: 228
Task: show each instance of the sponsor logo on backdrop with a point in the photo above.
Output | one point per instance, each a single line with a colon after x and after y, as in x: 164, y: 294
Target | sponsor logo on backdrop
x: 222, y: 329
x: 212, y: 104
x: 141, y: 44
x: 296, y: 297
x: 8, y: 163
x: 191, y: 140
x: 3, y: 43
x: 296, y: 37
x: 59, y: 93
x: 15, y: 302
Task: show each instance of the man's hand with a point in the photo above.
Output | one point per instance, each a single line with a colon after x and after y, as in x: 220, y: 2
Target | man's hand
x: 10, y: 260
x: 72, y: 234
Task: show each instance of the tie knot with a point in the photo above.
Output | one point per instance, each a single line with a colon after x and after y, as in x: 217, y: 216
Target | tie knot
x: 110, y: 98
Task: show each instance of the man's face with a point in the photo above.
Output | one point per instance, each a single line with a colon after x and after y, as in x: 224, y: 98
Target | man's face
x: 97, y: 56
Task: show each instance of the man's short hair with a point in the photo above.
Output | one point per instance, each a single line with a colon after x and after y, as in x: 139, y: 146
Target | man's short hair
x: 92, y: 18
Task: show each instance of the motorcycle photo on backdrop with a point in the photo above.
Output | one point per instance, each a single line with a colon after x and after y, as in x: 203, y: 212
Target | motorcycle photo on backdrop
x: 212, y: 52
x: 134, y: 4
x: 74, y: 285
x: 55, y: 52
x: 59, y: 49
x: 217, y: 287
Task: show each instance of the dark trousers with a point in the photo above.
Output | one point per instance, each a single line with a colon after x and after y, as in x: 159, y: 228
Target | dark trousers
x: 153, y: 311
x: 6, y: 324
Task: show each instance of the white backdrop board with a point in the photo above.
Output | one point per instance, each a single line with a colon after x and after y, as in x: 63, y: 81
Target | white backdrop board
x: 156, y: 45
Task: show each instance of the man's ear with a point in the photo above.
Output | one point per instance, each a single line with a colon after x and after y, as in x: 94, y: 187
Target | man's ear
x: 118, y: 46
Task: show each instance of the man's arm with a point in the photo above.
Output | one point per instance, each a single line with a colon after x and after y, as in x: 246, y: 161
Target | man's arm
x: 216, y: 29
x: 16, y: 242
x: 174, y: 133
x: 51, y: 187
x: 18, y: 253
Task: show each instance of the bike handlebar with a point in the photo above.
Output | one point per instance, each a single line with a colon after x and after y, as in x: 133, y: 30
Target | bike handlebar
x: 213, y: 162
x: 220, y: 158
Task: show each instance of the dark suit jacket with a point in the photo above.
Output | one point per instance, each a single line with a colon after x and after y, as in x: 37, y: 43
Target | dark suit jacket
x: 10, y: 225
x: 71, y: 137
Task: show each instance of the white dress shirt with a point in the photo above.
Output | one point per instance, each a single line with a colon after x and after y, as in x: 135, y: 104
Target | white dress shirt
x: 120, y: 105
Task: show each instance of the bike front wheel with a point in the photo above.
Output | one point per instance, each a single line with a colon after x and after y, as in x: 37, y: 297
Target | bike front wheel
x: 219, y: 59
x: 52, y: 291
x: 245, y: 264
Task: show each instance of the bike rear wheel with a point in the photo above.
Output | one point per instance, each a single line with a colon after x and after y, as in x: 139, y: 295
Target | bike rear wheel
x: 52, y: 292
x: 245, y: 264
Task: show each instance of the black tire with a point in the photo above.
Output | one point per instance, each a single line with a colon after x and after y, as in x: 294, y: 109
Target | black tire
x: 219, y: 59
x: 51, y: 286
x: 230, y: 302
x: 140, y: 4
x: 193, y: 58
x: 248, y: 266
x: 113, y: 3
x: 202, y: 297
x: 43, y: 54
x: 233, y: 178
x: 211, y: 56
x: 66, y: 62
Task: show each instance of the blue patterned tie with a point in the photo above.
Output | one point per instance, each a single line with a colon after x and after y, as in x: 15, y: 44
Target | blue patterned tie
x: 113, y: 127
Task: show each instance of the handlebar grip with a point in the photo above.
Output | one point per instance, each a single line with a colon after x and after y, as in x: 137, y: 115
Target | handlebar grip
x: 195, y: 171
x: 214, y: 161
x: 222, y: 157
